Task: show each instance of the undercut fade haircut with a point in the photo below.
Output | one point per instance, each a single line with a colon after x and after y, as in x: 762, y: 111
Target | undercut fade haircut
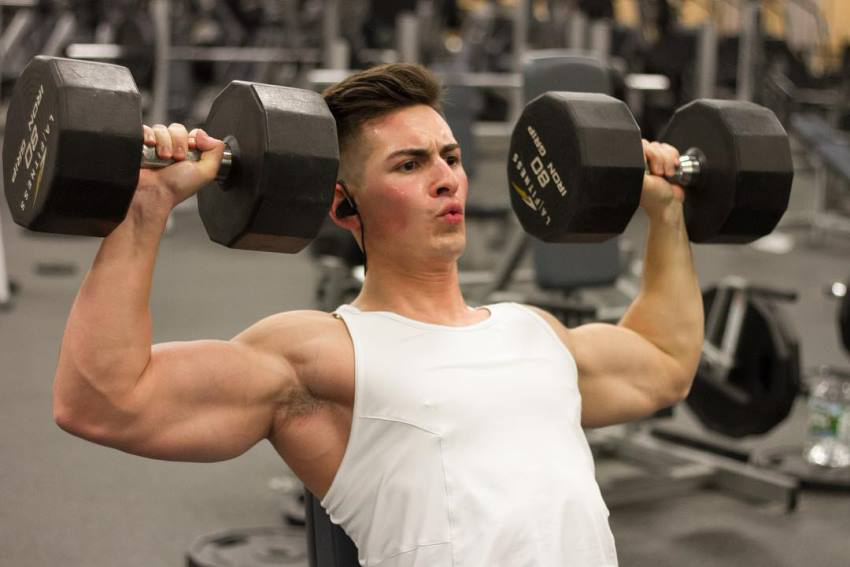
x: 377, y: 91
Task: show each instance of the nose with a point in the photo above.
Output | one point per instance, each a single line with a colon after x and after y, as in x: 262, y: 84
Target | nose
x: 447, y: 179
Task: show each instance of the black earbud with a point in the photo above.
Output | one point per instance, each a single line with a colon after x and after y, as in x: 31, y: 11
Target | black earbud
x: 346, y: 208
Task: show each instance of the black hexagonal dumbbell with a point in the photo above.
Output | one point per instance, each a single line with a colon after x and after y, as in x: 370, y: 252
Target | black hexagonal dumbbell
x: 71, y: 156
x: 575, y: 168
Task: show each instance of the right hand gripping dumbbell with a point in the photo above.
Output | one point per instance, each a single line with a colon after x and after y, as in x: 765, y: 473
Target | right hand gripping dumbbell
x: 576, y: 167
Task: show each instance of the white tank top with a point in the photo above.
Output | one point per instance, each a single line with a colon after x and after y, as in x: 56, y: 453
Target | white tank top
x: 466, y: 447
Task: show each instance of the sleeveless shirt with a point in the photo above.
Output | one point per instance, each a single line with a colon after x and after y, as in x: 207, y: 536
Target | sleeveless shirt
x: 466, y: 447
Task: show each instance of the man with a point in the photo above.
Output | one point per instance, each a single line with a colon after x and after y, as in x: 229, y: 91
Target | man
x: 436, y: 434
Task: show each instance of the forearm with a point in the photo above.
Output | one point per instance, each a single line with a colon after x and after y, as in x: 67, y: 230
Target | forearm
x: 107, y: 340
x: 668, y: 311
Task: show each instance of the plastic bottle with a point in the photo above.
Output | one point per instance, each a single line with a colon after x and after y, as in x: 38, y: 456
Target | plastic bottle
x: 828, y: 432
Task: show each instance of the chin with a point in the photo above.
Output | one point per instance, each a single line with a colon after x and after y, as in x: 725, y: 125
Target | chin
x: 451, y: 249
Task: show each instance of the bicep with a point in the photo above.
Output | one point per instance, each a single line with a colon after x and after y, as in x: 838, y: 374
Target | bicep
x: 622, y: 376
x: 203, y: 401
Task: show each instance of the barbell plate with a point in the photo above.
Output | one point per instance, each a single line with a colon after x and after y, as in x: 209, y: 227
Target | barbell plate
x: 766, y: 369
x: 844, y: 319
x: 249, y: 547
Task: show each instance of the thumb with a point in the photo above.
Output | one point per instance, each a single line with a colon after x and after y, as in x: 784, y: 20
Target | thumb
x: 211, y: 150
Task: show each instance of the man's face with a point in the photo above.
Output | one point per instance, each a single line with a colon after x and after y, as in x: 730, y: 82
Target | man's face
x: 411, y: 187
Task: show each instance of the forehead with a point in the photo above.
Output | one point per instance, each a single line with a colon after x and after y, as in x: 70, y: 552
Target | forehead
x: 411, y: 127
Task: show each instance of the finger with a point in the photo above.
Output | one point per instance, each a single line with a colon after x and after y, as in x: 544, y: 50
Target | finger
x: 193, y: 133
x: 671, y: 159
x: 163, y: 141
x: 148, y: 137
x: 204, y: 142
x: 212, y: 150
x: 649, y: 156
x: 656, y: 159
x: 179, y: 140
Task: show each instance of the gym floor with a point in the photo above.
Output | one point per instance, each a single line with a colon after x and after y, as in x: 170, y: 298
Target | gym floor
x: 65, y: 501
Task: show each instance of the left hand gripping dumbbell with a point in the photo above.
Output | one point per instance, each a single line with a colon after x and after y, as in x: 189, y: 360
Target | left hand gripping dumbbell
x: 576, y: 167
x: 72, y: 151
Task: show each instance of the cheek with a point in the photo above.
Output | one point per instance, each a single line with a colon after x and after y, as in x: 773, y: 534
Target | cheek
x: 394, y: 212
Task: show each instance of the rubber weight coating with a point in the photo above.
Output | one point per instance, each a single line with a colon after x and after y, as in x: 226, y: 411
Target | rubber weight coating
x: 285, y: 167
x: 575, y: 167
x: 71, y: 146
x: 72, y: 156
x: 744, y: 186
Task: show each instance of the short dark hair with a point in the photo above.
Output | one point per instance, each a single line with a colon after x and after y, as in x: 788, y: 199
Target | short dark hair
x: 379, y: 90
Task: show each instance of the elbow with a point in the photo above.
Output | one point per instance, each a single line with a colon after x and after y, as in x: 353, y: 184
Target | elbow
x: 69, y: 420
x: 81, y: 424
x: 683, y: 370
x: 72, y: 419
x: 681, y: 381
x: 65, y: 420
x: 89, y: 416
x: 682, y: 389
x: 677, y: 384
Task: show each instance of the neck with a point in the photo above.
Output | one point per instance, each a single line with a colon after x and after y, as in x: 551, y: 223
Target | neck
x: 431, y: 294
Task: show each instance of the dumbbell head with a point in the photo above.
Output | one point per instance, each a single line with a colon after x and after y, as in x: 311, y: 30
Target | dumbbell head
x: 285, y: 165
x: 72, y: 155
x: 744, y: 182
x: 575, y: 167
x: 71, y: 146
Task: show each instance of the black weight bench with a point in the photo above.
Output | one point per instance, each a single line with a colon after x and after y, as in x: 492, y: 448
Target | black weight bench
x: 327, y: 544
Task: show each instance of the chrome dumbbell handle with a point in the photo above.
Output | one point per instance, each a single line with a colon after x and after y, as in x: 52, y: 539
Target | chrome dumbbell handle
x: 151, y: 161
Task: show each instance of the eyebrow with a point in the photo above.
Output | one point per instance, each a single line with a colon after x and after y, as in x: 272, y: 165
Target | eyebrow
x: 420, y: 152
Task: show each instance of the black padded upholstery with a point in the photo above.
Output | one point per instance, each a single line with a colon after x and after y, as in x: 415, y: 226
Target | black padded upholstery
x: 327, y: 544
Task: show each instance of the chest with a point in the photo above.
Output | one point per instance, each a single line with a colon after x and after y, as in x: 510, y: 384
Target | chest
x: 492, y: 379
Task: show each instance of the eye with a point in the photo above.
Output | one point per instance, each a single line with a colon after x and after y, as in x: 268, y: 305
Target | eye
x: 453, y: 159
x: 407, y: 166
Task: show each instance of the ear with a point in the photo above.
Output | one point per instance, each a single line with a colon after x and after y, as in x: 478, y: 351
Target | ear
x: 342, y: 212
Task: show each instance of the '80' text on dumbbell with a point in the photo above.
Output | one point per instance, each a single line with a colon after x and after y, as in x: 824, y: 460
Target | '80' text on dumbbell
x: 543, y: 173
x: 546, y: 173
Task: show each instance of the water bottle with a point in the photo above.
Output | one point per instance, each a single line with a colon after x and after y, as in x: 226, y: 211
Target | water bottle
x: 828, y: 433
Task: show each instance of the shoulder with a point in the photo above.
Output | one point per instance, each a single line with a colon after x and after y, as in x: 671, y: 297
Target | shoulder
x: 290, y: 328
x: 565, y: 334
x: 314, y: 344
